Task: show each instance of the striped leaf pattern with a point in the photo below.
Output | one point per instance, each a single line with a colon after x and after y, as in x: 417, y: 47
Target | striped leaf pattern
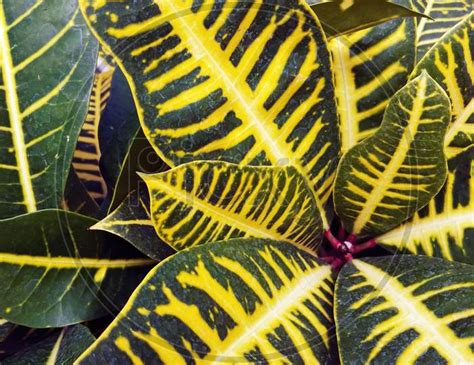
x: 386, y: 178
x: 61, y: 348
x: 202, y: 202
x: 445, y: 14
x: 131, y: 221
x: 445, y: 227
x: 238, y: 81
x: 55, y: 272
x: 239, y: 301
x: 369, y: 67
x: 87, y: 153
x: 451, y: 63
x: 405, y: 310
x: 47, y: 59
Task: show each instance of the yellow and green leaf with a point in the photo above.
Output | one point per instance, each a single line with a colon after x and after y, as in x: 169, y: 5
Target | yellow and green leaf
x: 450, y: 62
x: 87, y: 153
x: 61, y: 348
x: 369, y: 67
x: 131, y: 221
x: 238, y: 81
x: 202, y: 202
x: 445, y: 227
x: 386, y: 178
x: 405, y: 310
x: 240, y: 301
x: 55, y: 272
x: 340, y: 17
x: 47, y: 59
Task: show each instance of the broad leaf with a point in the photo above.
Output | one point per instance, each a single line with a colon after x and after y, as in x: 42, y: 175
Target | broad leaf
x: 386, y: 178
x: 238, y: 301
x: 445, y: 227
x: 249, y: 82
x: 450, y: 62
x: 369, y: 67
x: 441, y: 16
x: 61, y: 348
x: 202, y: 202
x: 341, y: 16
x: 55, y: 272
x: 131, y: 221
x: 87, y: 153
x: 405, y: 310
x: 47, y: 59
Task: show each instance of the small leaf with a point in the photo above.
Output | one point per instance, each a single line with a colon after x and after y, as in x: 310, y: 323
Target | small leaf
x: 450, y: 63
x: 445, y: 227
x: 77, y: 198
x: 61, y: 348
x: 386, y: 178
x: 203, y: 202
x: 55, y: 272
x: 228, y: 302
x: 210, y: 86
x: 48, y: 57
x: 131, y: 221
x: 342, y: 16
x: 405, y: 310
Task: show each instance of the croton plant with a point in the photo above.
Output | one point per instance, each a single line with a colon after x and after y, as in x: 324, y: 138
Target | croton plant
x: 245, y: 181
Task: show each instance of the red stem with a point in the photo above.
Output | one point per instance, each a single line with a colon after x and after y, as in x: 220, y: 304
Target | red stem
x: 364, y: 246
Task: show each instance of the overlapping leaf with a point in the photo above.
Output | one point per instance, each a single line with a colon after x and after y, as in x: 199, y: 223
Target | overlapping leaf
x: 47, y: 59
x: 77, y: 199
x: 87, y: 153
x: 131, y: 221
x: 245, y: 82
x: 61, y: 348
x: 238, y: 301
x: 451, y: 63
x: 341, y: 16
x: 386, y: 178
x: 202, y: 202
x: 55, y: 272
x: 405, y: 310
x: 445, y: 227
x: 369, y: 67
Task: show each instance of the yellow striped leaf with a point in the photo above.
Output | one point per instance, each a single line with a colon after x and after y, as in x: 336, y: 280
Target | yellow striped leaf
x: 369, y: 67
x: 131, y: 221
x: 386, y: 178
x: 441, y: 16
x: 405, y: 310
x: 202, y: 202
x: 47, y: 57
x: 61, y: 348
x: 339, y: 17
x: 239, y: 81
x: 239, y: 301
x: 87, y: 153
x: 451, y: 63
x: 55, y: 272
x: 445, y: 227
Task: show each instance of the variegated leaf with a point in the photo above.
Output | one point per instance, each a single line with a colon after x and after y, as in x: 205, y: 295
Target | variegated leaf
x: 55, y: 272
x: 445, y: 227
x: 47, y: 61
x: 241, y: 301
x: 405, y: 310
x: 87, y: 153
x: 239, y: 81
x: 386, y: 178
x: 61, y: 348
x: 369, y: 67
x: 340, y: 17
x: 451, y: 63
x: 202, y: 202
x: 131, y: 221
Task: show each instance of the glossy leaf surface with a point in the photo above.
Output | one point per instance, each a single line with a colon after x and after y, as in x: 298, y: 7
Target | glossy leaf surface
x: 236, y: 301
